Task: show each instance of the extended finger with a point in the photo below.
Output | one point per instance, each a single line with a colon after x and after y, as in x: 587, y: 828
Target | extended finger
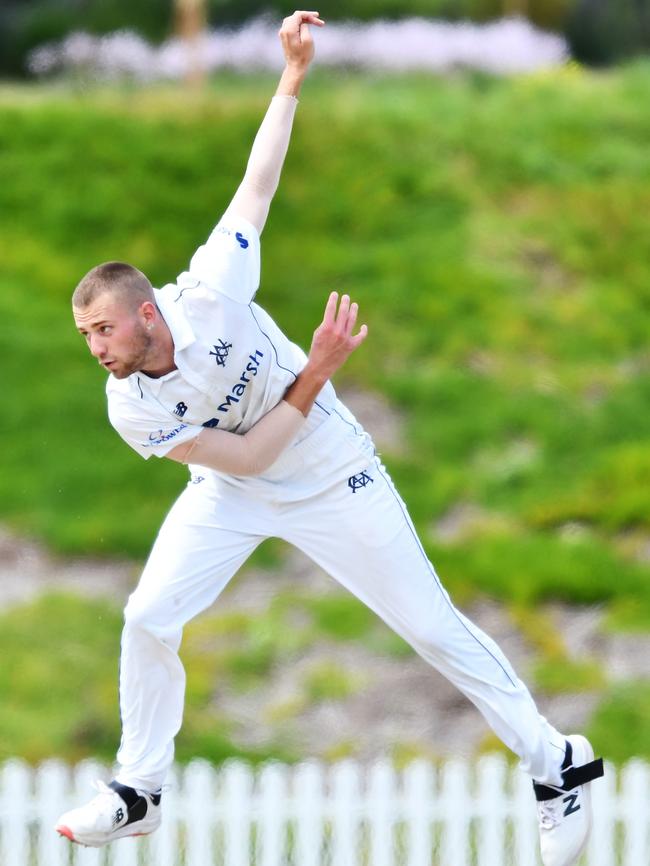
x: 330, y: 309
x: 352, y: 318
x: 342, y: 316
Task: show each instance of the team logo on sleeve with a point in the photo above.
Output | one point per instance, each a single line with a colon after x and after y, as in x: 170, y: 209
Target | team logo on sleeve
x: 159, y: 437
x: 243, y: 242
x: 220, y: 353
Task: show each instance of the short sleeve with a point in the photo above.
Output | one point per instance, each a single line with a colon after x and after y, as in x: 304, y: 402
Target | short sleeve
x: 229, y: 261
x: 146, y: 430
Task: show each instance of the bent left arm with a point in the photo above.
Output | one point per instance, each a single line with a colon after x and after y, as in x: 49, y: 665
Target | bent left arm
x: 256, y: 450
x: 249, y: 454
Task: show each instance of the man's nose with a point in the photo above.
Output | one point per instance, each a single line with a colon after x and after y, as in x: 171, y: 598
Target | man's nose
x: 97, y: 346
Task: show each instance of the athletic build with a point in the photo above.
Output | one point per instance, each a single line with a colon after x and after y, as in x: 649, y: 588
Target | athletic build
x: 202, y: 375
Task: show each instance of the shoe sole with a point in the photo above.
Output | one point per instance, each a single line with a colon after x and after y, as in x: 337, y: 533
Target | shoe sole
x: 63, y: 830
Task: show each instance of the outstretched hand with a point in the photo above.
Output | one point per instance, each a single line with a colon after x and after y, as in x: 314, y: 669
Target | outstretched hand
x: 333, y: 340
x: 296, y: 38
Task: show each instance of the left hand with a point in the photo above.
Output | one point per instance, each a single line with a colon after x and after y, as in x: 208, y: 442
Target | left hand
x: 296, y: 38
x: 333, y: 341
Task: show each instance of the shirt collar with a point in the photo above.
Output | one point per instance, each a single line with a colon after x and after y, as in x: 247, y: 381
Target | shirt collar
x: 168, y: 302
x: 172, y: 312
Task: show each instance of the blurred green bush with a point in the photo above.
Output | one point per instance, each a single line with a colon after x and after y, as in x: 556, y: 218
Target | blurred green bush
x: 601, y: 32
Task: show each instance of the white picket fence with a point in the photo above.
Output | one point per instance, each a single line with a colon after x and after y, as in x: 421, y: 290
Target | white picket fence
x: 455, y: 814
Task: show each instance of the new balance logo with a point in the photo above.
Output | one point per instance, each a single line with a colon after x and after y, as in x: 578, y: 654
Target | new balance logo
x: 118, y: 816
x: 180, y: 409
x: 571, y: 808
x: 361, y: 480
x: 221, y: 352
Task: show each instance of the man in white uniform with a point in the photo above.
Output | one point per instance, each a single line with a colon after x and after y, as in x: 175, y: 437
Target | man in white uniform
x: 196, y: 368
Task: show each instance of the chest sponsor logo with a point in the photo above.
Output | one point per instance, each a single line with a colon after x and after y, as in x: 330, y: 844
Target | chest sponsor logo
x: 220, y: 353
x: 239, y: 388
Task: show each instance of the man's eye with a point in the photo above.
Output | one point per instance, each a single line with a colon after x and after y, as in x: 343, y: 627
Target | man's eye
x: 105, y: 329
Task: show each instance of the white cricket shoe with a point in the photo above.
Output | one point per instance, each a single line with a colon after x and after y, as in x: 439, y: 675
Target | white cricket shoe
x: 115, y: 812
x: 565, y: 813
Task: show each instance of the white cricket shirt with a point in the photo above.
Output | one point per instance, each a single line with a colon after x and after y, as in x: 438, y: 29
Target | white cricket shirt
x: 233, y: 362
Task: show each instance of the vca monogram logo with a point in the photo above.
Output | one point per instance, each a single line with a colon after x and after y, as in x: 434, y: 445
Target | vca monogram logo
x: 221, y: 352
x: 356, y: 482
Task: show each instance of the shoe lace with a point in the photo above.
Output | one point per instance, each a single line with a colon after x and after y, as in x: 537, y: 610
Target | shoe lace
x: 104, y: 802
x: 549, y: 814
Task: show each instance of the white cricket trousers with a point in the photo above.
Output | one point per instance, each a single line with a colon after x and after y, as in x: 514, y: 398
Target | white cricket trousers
x: 331, y: 498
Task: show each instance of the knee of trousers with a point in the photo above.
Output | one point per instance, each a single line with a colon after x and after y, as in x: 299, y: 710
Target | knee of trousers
x: 466, y: 654
x: 151, y: 618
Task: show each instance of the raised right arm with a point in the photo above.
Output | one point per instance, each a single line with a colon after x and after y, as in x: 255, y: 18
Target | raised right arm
x: 253, y: 198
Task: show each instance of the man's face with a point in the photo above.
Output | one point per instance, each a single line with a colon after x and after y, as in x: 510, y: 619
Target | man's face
x: 117, y: 337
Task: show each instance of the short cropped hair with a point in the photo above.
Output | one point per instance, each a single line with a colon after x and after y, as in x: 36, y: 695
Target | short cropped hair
x: 126, y: 282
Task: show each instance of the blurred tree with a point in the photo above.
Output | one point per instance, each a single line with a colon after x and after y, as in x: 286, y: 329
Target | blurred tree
x: 25, y: 24
x: 191, y: 22
x: 515, y: 7
x: 601, y: 32
x: 191, y: 17
x: 551, y: 14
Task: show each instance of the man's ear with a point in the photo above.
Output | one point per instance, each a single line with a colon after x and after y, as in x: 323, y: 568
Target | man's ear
x: 148, y: 313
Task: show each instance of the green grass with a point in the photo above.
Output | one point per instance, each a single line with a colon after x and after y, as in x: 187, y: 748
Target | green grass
x: 567, y: 677
x: 59, y: 672
x: 341, y: 617
x: 619, y: 727
x: 60, y: 663
x: 326, y: 681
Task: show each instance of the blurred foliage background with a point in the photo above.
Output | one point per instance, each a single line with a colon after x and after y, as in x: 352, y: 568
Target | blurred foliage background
x: 599, y: 32
x: 495, y: 233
